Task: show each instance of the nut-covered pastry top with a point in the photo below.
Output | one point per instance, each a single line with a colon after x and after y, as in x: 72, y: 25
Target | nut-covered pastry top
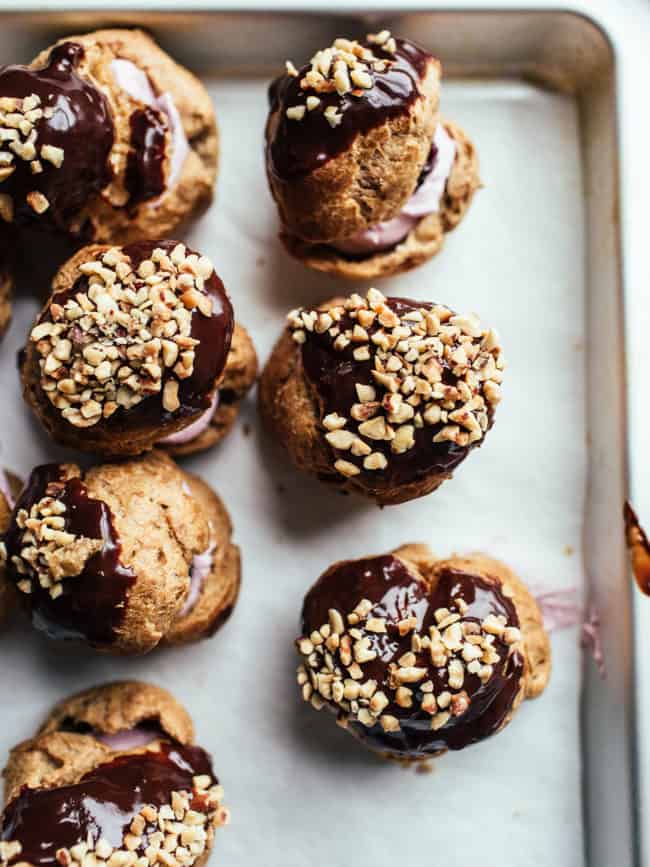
x: 137, y: 810
x: 413, y: 670
x: 62, y: 550
x: 56, y: 135
x: 344, y: 90
x: 141, y: 336
x: 404, y: 387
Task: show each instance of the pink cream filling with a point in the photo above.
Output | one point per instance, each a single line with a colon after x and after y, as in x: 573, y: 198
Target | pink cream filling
x: 129, y: 739
x: 136, y: 83
x: 201, y: 566
x: 561, y: 609
x: 192, y: 431
x: 425, y: 200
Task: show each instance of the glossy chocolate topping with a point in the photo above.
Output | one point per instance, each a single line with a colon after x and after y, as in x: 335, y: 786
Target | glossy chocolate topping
x: 78, y: 121
x: 7, y: 251
x: 397, y: 594
x: 102, y: 804
x: 92, y: 604
x: 334, y: 374
x: 296, y: 148
x: 145, y: 178
x: 214, y: 334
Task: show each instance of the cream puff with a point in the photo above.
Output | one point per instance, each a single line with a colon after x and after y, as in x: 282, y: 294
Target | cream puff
x: 124, y: 556
x: 134, y: 349
x: 105, y: 138
x: 366, y: 175
x: 416, y: 655
x: 382, y: 396
x: 113, y: 776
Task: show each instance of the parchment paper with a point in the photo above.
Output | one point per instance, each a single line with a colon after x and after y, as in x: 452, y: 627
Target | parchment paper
x: 301, y: 791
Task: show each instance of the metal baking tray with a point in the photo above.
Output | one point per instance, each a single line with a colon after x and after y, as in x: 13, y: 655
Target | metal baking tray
x: 539, y: 256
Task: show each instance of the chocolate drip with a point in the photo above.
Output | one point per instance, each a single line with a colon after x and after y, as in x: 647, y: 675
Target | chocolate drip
x: 428, y: 167
x: 102, y: 804
x: 334, y: 374
x: 7, y: 251
x: 296, y: 148
x: 92, y: 604
x: 145, y: 177
x: 81, y: 125
x: 397, y: 594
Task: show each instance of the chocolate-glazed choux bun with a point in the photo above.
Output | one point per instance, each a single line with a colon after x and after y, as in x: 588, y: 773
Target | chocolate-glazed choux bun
x: 381, y: 396
x: 135, y: 348
x: 10, y: 487
x: 123, y: 556
x: 366, y: 175
x: 105, y: 138
x: 417, y: 655
x: 113, y: 777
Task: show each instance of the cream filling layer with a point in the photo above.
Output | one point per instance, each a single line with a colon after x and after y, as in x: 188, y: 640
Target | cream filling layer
x: 129, y: 739
x: 194, y: 430
x: 136, y: 83
x: 424, y: 201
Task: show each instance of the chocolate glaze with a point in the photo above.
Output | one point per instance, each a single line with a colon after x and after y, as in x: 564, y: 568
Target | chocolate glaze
x: 92, y: 604
x: 396, y: 594
x: 333, y: 375
x: 82, y: 125
x: 214, y: 335
x: 296, y: 148
x: 102, y: 804
x: 145, y: 178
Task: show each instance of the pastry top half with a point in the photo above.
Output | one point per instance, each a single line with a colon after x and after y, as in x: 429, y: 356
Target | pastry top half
x: 349, y: 135
x: 121, y: 555
x: 104, y: 137
x: 383, y: 396
x: 130, y: 347
x: 112, y: 776
x: 417, y: 655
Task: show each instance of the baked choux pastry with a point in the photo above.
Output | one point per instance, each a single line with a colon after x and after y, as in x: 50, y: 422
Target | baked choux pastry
x: 105, y: 138
x: 417, y: 655
x: 134, y: 349
x: 112, y: 775
x: 123, y: 556
x: 381, y: 396
x: 366, y: 175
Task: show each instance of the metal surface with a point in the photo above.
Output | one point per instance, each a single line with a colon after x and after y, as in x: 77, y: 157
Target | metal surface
x: 539, y: 256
